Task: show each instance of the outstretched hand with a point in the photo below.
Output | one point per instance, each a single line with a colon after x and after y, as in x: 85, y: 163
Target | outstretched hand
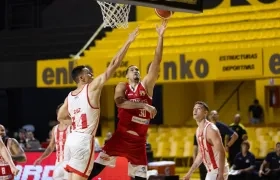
x: 161, y: 29
x: 132, y: 36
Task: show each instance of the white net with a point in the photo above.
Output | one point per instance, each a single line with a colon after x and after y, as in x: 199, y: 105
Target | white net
x: 114, y: 15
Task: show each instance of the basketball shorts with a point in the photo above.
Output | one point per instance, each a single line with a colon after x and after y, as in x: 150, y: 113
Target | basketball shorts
x: 129, y: 146
x: 59, y: 172
x: 212, y: 175
x: 6, y: 173
x: 79, y: 154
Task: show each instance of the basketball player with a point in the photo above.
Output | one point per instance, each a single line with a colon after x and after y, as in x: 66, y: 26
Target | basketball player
x: 83, y: 105
x: 7, y: 167
x: 58, y: 138
x: 211, y: 149
x: 134, y: 100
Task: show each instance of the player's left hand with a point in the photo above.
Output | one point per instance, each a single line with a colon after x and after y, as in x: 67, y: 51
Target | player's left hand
x: 220, y: 176
x: 133, y: 35
x: 161, y: 29
x: 15, y: 171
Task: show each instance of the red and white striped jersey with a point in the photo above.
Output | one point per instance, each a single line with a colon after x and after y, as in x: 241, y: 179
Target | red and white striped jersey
x: 210, y: 157
x: 60, y: 139
x: 5, y: 170
x: 7, y: 143
x: 85, y: 117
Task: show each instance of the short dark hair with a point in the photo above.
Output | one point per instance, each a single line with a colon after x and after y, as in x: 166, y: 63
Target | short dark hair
x: 76, y: 72
x: 202, y: 104
x: 58, y: 107
x: 128, y: 68
x: 256, y: 101
x: 278, y: 143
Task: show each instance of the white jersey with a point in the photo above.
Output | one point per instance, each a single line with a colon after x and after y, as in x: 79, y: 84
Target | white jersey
x: 210, y: 157
x: 60, y: 139
x: 85, y: 117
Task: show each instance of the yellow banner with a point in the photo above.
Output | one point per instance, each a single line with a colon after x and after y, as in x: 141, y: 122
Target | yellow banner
x: 182, y: 68
x: 271, y: 61
x: 223, y: 65
x: 239, y: 64
x: 57, y: 73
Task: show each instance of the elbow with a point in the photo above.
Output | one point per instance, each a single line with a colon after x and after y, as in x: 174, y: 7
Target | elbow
x: 24, y: 159
x: 235, y: 135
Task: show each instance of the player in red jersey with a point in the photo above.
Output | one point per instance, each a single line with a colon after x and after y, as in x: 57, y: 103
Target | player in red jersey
x: 7, y: 167
x: 134, y: 101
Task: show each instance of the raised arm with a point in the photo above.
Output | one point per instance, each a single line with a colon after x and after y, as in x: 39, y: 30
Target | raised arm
x: 122, y: 102
x: 18, y: 152
x: 47, y: 151
x: 215, y: 137
x: 153, y: 73
x: 100, y: 80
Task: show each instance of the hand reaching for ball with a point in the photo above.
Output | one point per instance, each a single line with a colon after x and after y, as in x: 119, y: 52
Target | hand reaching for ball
x: 161, y: 28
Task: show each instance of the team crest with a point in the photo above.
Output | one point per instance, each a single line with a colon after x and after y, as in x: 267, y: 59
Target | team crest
x: 142, y: 93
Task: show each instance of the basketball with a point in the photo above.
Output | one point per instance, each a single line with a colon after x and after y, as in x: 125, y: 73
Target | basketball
x: 164, y: 14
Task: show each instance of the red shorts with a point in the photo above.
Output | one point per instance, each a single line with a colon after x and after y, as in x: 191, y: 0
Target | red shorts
x: 6, y: 173
x: 129, y: 146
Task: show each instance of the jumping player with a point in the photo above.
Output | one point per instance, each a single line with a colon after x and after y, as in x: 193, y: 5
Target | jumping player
x: 211, y: 149
x: 58, y: 138
x: 7, y: 166
x: 83, y: 105
x: 134, y: 100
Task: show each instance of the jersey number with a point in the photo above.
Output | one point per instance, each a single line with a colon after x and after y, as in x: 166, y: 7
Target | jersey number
x: 82, y: 122
x: 3, y: 171
x: 143, y: 113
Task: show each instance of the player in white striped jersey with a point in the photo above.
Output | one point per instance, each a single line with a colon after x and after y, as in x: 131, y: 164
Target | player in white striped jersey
x: 83, y: 105
x: 58, y: 138
x: 211, y: 150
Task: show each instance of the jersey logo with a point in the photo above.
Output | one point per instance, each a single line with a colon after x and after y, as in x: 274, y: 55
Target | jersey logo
x: 142, y: 93
x: 140, y: 120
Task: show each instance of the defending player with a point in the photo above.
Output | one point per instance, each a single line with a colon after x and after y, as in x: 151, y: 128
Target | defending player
x: 59, y: 135
x: 211, y: 149
x: 83, y: 106
x: 134, y: 100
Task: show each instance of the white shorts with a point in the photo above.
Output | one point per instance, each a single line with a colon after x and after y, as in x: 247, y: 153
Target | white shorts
x: 79, y: 154
x: 59, y: 172
x: 212, y: 175
x: 133, y: 170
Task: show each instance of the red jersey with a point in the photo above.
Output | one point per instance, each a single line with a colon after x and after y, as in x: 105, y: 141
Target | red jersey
x: 135, y: 119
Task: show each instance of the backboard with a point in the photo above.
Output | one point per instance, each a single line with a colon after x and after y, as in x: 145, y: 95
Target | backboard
x: 191, y: 6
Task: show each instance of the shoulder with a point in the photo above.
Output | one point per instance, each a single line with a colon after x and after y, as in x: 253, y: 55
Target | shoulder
x: 13, y: 141
x: 212, y: 128
x: 121, y: 85
x: 251, y: 155
x: 238, y: 154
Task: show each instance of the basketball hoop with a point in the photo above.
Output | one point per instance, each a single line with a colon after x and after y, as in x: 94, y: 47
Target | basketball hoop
x: 114, y: 15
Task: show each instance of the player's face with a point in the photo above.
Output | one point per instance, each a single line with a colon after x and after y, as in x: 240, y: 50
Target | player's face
x: 133, y: 73
x: 2, y: 131
x: 199, y: 112
x: 86, y: 76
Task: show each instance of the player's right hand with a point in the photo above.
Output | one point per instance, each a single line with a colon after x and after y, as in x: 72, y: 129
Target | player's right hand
x: 37, y: 162
x: 187, y: 177
x: 133, y: 35
x: 14, y: 170
x: 152, y: 110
